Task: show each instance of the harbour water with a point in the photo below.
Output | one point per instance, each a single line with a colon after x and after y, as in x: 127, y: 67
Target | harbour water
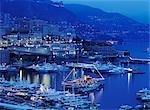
x: 118, y: 89
x: 121, y: 89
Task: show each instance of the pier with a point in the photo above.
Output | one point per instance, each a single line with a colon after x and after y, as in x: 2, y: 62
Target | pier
x: 31, y: 51
x: 32, y: 54
x: 138, y: 60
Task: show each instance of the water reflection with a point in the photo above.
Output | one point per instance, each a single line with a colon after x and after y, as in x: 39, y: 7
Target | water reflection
x: 21, y: 73
x: 46, y: 80
x: 100, y: 93
x: 28, y: 78
x: 36, y: 78
x: 129, y: 75
x: 116, y: 87
x: 92, y: 97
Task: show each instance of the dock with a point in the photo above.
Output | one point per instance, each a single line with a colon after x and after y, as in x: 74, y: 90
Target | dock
x: 31, y: 51
x: 13, y: 106
x: 138, y: 60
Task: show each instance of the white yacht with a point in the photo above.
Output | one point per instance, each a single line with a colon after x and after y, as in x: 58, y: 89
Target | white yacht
x: 47, y: 67
x: 84, y: 84
x: 104, y: 67
x: 120, y: 70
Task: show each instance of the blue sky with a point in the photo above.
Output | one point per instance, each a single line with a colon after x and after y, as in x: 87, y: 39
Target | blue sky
x: 136, y: 9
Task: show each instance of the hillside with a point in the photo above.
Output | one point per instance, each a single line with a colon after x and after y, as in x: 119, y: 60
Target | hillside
x: 99, y: 17
x: 110, y: 23
x: 88, y: 22
x: 34, y: 9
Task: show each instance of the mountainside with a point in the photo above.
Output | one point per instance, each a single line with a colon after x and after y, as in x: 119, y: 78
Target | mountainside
x: 88, y: 22
x: 99, y: 17
x: 36, y: 9
x: 110, y: 23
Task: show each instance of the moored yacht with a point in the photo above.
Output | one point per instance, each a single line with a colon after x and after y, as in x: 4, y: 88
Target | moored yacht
x: 104, y: 67
x: 143, y: 95
x: 126, y: 107
x: 119, y: 70
x: 47, y: 67
x: 84, y: 84
x: 116, y: 70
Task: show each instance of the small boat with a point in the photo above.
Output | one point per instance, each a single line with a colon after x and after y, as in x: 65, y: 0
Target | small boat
x: 80, y: 65
x: 146, y: 98
x: 143, y: 91
x: 143, y: 95
x: 148, y: 49
x: 104, y: 67
x: 47, y: 67
x: 117, y: 70
x: 128, y: 70
x: 126, y: 107
x: 139, y: 107
x: 29, y: 45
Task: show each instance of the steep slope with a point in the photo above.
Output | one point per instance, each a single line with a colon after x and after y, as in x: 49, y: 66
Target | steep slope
x: 89, y: 22
x: 97, y: 16
x: 110, y: 23
x: 35, y: 9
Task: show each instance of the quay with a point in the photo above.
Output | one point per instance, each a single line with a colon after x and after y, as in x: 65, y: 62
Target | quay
x: 13, y: 106
x: 138, y: 60
x: 31, y: 51
x: 31, y: 55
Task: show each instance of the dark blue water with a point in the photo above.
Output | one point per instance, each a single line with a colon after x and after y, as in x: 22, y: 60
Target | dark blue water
x: 121, y: 89
x: 118, y: 89
x: 137, y: 49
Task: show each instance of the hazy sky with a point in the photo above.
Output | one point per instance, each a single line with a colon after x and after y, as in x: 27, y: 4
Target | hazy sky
x: 136, y: 9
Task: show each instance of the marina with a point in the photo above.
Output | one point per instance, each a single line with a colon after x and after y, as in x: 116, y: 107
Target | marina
x: 143, y: 96
x: 74, y: 55
x: 35, y: 96
x: 84, y: 79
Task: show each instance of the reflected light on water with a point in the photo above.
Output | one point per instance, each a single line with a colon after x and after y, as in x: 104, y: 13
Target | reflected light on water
x: 20, y: 74
x: 46, y: 80
x: 129, y: 79
x: 92, y: 97
x: 28, y: 78
x: 36, y: 79
x: 100, y: 93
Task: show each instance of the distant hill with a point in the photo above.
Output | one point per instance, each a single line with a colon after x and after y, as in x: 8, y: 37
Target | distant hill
x: 110, y: 22
x: 99, y: 17
x: 36, y: 9
x: 97, y: 23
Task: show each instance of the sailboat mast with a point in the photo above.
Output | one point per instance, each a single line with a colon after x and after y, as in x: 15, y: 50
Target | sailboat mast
x: 74, y: 73
x: 82, y: 72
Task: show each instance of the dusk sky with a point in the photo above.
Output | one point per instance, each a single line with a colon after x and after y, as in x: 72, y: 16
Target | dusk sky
x: 136, y: 9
